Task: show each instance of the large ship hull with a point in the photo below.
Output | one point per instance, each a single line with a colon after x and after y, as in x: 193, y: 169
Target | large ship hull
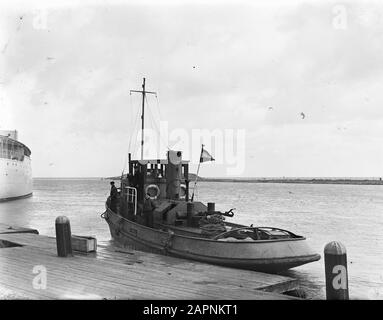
x: 15, y: 179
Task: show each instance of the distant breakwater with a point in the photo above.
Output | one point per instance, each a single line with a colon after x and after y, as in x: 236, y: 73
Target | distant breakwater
x: 361, y: 181
x: 302, y: 181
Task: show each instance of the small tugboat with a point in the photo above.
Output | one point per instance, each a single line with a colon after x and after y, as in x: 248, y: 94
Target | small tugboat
x: 154, y: 211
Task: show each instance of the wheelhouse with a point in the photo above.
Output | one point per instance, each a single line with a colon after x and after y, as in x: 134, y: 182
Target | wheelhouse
x: 159, y: 178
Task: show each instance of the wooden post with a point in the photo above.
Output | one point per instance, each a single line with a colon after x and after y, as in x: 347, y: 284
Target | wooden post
x: 63, y: 236
x: 335, y: 259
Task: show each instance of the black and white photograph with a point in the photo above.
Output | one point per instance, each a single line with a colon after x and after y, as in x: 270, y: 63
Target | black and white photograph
x: 194, y: 151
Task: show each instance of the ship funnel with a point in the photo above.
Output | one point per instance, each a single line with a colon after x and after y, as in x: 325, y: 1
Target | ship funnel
x: 173, y: 174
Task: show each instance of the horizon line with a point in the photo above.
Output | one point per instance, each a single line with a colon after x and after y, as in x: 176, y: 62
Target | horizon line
x: 236, y: 177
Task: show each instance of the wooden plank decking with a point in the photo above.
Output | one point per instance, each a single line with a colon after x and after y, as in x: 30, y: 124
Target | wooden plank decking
x: 114, y: 273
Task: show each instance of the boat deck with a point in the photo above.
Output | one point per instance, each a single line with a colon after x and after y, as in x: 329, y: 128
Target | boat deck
x: 119, y: 273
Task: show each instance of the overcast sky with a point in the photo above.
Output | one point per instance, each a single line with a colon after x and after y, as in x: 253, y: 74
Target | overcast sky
x: 303, y: 80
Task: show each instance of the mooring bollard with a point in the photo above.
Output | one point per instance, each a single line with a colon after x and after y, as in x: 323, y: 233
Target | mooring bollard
x: 63, y: 237
x: 335, y: 259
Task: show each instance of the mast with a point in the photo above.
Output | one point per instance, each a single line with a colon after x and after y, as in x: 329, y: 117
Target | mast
x: 142, y: 119
x: 144, y: 92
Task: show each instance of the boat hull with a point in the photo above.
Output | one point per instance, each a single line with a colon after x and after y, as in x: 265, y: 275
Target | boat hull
x: 15, y: 179
x: 263, y: 255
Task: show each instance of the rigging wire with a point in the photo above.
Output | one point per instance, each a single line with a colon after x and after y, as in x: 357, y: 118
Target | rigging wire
x: 158, y: 108
x: 196, y: 192
x: 131, y: 123
x: 135, y: 131
x: 151, y: 118
x: 166, y: 143
x: 168, y: 146
x: 155, y: 124
x: 134, y: 126
x: 130, y: 126
x: 134, y: 120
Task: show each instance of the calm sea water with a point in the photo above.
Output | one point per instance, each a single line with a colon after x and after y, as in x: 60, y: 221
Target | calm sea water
x: 322, y: 213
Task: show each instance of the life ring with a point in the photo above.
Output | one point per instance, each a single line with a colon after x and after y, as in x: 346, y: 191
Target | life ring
x: 183, y: 191
x: 152, y: 186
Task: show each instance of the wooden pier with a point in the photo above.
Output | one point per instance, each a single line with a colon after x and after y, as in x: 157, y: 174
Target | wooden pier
x: 116, y: 273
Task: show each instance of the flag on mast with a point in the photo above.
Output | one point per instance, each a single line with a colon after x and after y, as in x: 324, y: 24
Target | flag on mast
x: 205, y: 156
